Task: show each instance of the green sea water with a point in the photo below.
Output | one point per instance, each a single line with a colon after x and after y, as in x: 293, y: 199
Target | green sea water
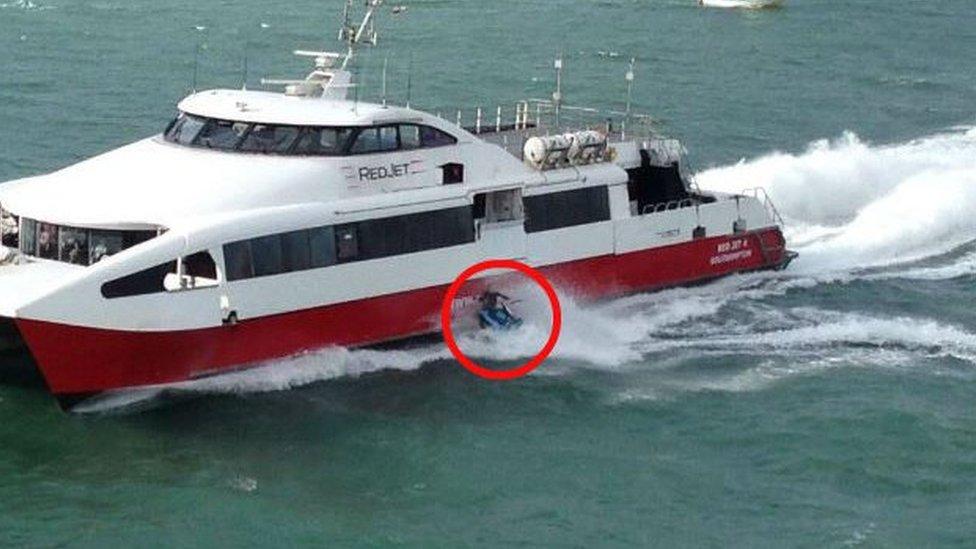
x: 831, y: 405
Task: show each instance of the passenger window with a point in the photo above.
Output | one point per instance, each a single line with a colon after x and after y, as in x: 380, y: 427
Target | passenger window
x: 295, y: 253
x: 73, y: 246
x: 270, y: 139
x: 266, y: 255
x: 347, y: 243
x: 47, y: 241
x: 28, y: 236
x: 409, y: 137
x: 103, y: 244
x: 322, y: 242
x: 222, y: 134
x: 432, y: 137
x: 237, y: 260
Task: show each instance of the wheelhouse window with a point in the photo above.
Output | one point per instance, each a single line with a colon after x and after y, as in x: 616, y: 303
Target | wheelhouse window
x: 270, y: 139
x: 185, y: 129
x: 228, y: 135
x: 323, y: 141
x: 222, y: 135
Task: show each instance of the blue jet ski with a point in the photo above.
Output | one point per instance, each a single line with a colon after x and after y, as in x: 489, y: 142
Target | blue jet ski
x: 495, y: 314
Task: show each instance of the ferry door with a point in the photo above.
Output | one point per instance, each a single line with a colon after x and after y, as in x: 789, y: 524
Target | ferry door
x: 500, y: 224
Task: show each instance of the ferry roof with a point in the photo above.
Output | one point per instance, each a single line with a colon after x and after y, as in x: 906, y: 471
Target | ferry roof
x: 278, y: 108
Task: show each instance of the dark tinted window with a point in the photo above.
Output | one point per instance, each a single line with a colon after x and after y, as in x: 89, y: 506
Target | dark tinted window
x: 47, y: 241
x: 409, y: 136
x: 566, y: 209
x: 295, y: 251
x: 222, y: 134
x: 323, y: 246
x: 376, y: 140
x: 237, y: 258
x: 323, y: 141
x: 347, y: 243
x: 270, y: 139
x: 432, y: 137
x: 266, y: 255
x: 149, y: 281
x: 73, y: 246
x: 184, y: 130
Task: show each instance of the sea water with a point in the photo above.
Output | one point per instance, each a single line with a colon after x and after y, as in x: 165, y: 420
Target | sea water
x: 828, y: 405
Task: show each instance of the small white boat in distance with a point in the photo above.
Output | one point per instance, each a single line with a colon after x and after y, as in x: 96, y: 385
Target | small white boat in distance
x: 743, y: 4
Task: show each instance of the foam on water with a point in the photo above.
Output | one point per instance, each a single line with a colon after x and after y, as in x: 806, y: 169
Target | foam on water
x: 850, y: 205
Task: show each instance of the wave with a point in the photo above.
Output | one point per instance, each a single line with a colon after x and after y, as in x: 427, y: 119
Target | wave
x: 851, y: 205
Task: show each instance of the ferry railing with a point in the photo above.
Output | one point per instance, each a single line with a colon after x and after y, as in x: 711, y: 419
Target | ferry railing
x: 760, y: 194
x: 670, y: 205
x: 511, y: 125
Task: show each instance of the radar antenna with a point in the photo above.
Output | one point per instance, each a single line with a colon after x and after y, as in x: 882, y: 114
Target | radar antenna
x: 331, y: 77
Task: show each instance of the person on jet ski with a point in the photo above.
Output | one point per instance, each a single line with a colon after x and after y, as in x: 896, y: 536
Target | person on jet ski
x: 495, y: 313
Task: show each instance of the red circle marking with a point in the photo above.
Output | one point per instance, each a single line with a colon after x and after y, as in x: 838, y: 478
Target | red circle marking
x: 481, y: 371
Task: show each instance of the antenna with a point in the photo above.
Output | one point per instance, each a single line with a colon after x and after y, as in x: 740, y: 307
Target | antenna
x: 196, y: 54
x: 630, y: 90
x: 386, y: 59
x: 557, y: 96
x: 244, y: 66
x: 409, y: 80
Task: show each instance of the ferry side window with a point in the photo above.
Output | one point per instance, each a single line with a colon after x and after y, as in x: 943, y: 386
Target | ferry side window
x: 237, y: 260
x: 145, y: 282
x: 409, y: 137
x: 222, y: 134
x: 73, y: 245
x: 347, y: 243
x: 47, y: 241
x: 266, y: 255
x: 432, y: 137
x: 28, y: 236
x: 295, y: 251
x: 322, y: 242
x: 270, y: 139
x: 103, y: 244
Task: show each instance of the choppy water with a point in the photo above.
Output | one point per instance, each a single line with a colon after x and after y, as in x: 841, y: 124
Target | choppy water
x: 831, y: 405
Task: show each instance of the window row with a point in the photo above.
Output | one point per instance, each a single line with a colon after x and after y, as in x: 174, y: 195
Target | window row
x: 548, y: 212
x: 75, y: 245
x: 227, y: 135
x: 360, y: 241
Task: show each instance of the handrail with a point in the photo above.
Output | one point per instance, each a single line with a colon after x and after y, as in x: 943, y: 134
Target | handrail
x: 760, y: 194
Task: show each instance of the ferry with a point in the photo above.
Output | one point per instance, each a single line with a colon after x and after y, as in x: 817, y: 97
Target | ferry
x: 263, y: 224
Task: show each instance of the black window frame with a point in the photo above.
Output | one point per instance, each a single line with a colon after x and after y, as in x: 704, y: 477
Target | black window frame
x: 564, y: 209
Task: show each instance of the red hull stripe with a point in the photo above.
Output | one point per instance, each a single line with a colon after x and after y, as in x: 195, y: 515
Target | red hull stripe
x: 76, y: 359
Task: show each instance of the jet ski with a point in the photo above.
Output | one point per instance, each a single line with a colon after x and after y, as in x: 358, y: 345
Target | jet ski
x: 495, y: 314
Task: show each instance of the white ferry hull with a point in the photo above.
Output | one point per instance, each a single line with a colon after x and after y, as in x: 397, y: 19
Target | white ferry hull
x: 77, y: 361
